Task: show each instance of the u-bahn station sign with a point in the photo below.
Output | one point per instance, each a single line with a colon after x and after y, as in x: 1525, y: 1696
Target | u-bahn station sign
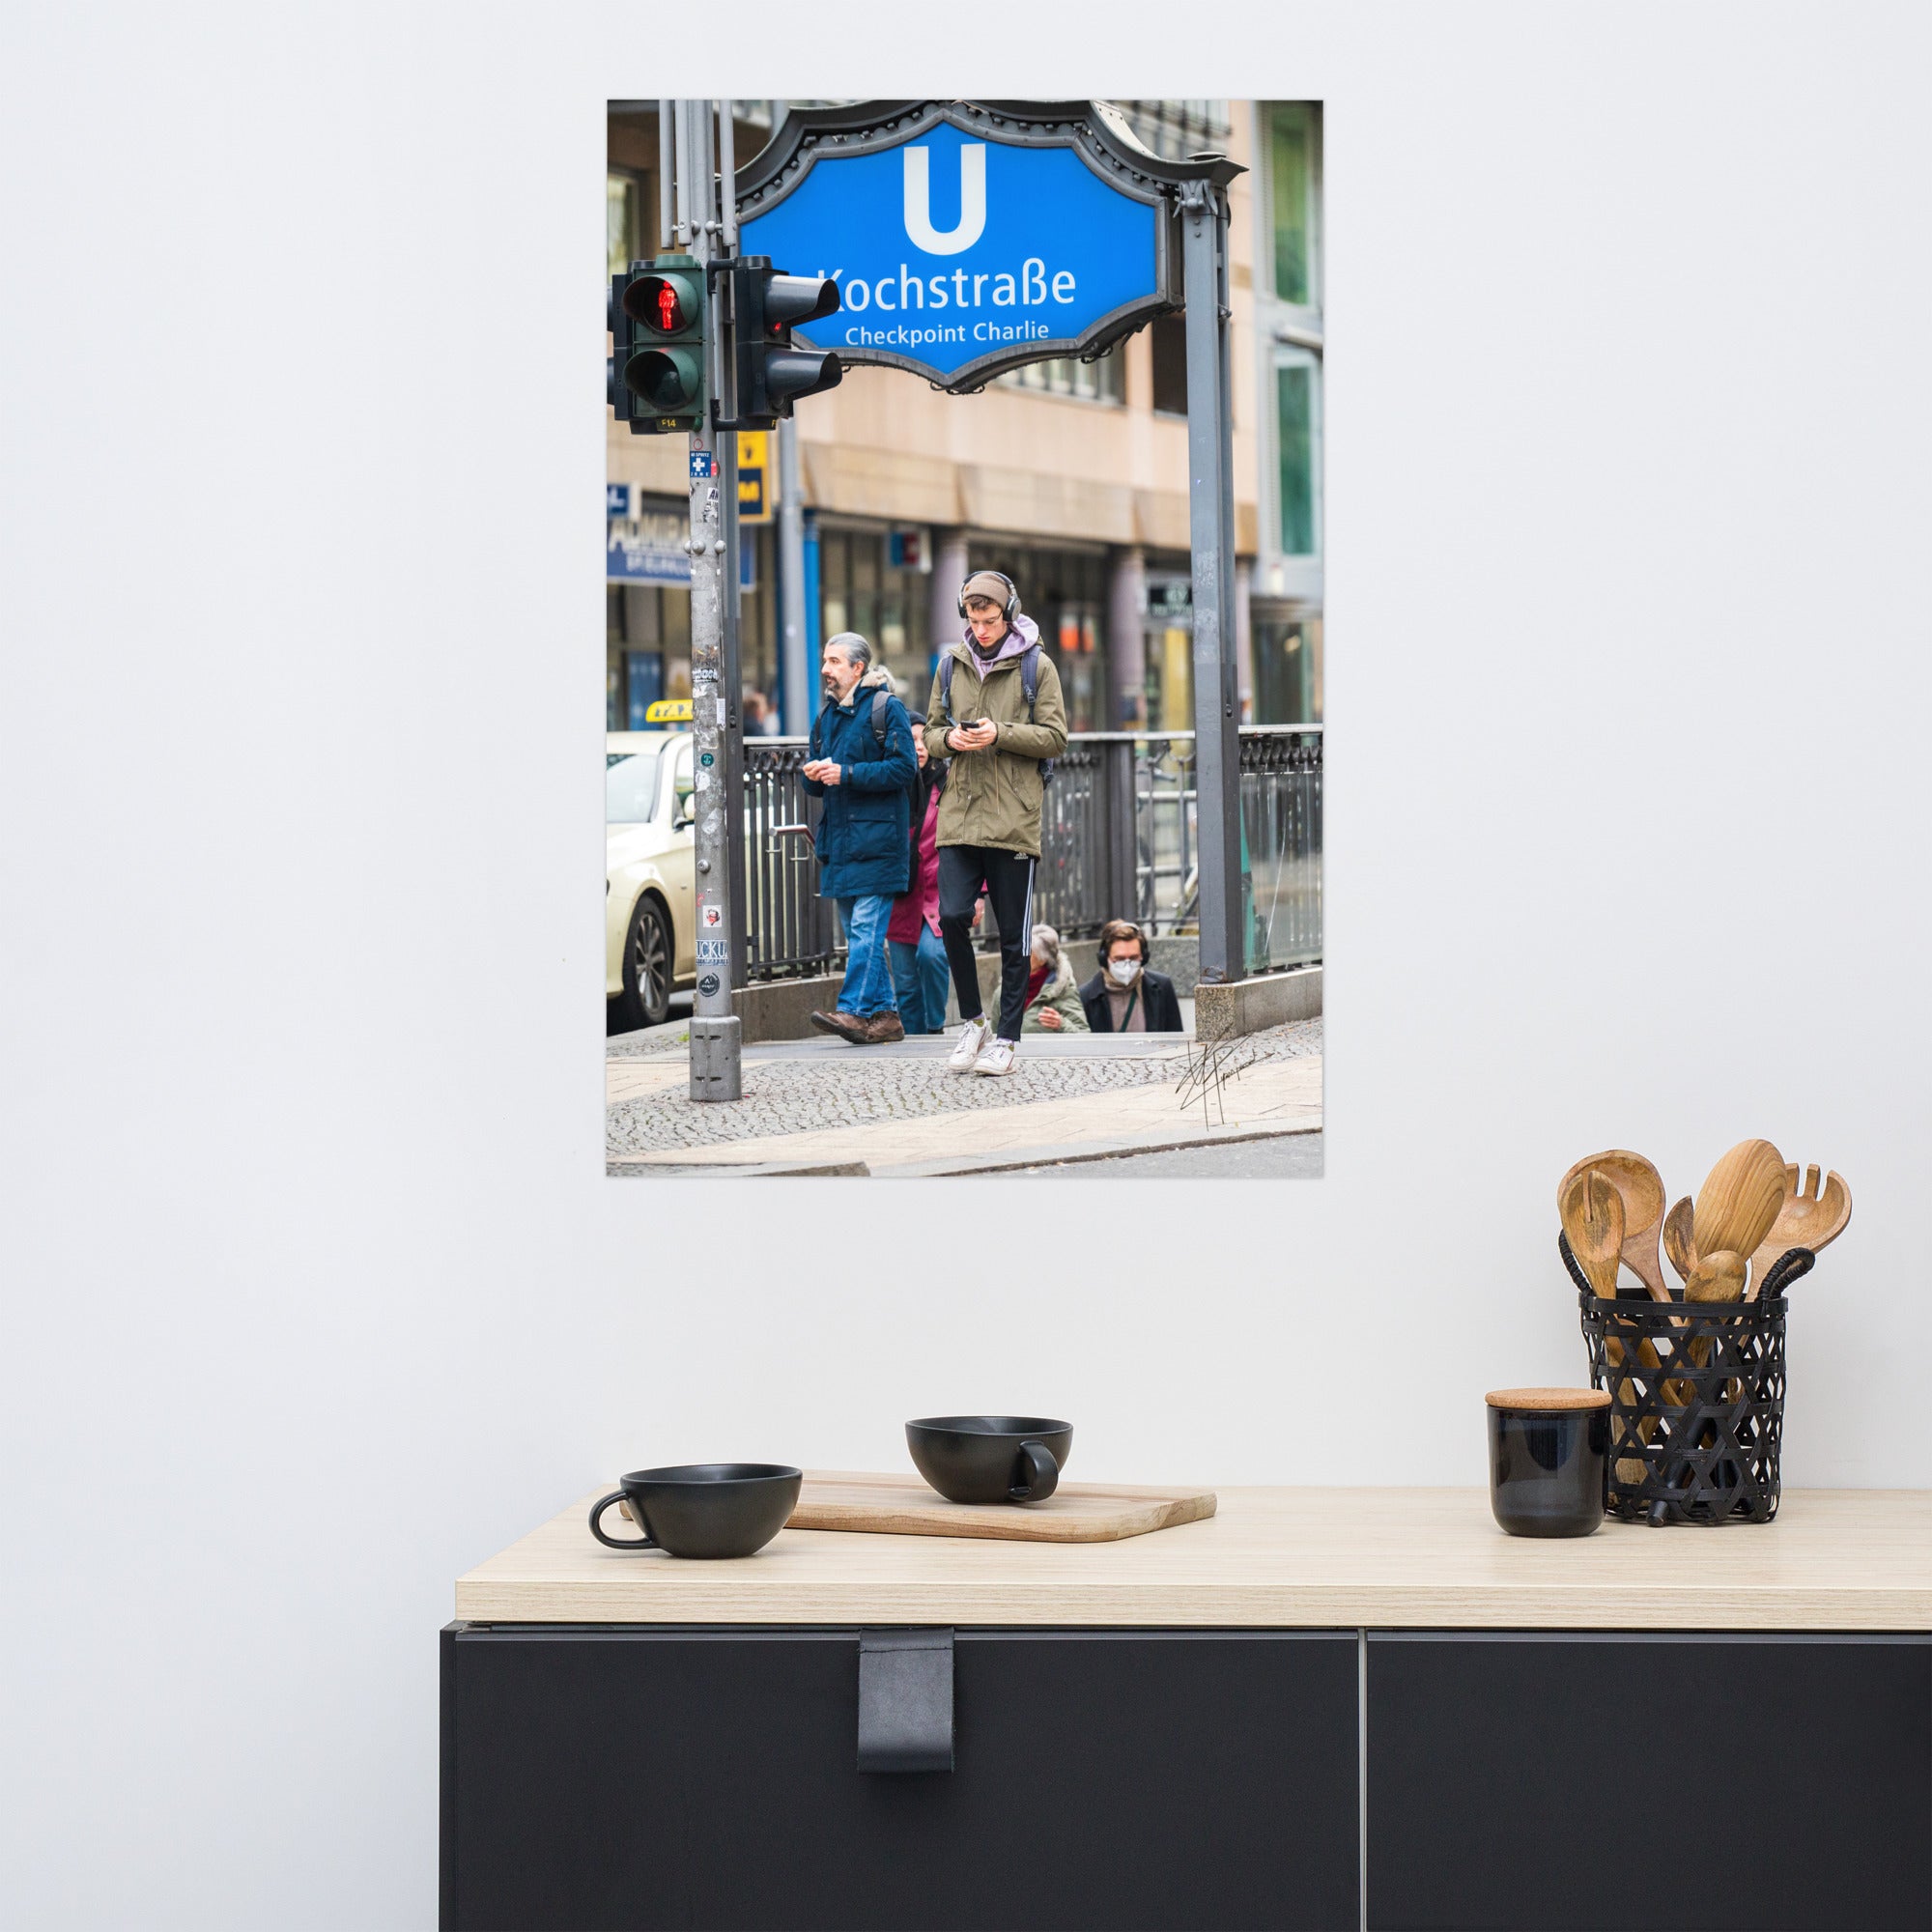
x: 969, y: 236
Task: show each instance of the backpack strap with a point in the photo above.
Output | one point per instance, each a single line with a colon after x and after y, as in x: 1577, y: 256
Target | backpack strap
x: 945, y: 664
x: 880, y: 700
x: 1030, y: 685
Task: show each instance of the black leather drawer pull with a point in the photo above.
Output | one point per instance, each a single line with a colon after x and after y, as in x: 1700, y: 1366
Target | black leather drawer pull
x: 905, y: 1700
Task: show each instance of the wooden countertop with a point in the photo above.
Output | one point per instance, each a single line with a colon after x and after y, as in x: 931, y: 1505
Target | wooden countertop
x: 1834, y: 1559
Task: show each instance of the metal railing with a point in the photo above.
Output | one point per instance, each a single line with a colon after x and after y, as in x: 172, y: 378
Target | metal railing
x: 1118, y: 837
x: 792, y: 929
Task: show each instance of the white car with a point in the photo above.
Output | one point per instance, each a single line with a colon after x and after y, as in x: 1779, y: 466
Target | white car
x: 650, y: 912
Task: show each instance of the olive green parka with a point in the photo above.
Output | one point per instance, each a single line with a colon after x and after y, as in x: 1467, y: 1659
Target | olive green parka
x: 993, y: 797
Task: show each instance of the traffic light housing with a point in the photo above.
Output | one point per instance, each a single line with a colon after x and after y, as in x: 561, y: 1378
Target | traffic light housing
x: 771, y: 373
x: 658, y: 319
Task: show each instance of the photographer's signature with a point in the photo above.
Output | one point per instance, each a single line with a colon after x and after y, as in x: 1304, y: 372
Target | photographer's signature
x: 1211, y: 1068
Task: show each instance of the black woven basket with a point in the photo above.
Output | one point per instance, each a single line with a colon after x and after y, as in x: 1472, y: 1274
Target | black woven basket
x: 1697, y: 1400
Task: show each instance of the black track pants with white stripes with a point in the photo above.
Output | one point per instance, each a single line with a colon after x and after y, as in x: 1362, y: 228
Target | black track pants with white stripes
x: 1009, y: 881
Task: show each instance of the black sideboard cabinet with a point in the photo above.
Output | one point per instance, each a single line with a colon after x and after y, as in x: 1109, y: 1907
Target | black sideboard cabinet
x: 1562, y: 1781
x: 605, y: 1777
x: 597, y: 1778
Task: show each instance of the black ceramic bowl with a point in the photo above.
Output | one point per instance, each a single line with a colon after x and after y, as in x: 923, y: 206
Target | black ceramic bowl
x: 703, y: 1509
x: 990, y: 1459
x: 1548, y: 1458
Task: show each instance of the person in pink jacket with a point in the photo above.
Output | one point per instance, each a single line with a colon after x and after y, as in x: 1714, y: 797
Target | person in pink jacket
x: 919, y: 975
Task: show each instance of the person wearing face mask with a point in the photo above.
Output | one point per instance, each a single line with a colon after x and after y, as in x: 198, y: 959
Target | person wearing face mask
x: 996, y: 711
x: 861, y: 765
x: 1126, y: 995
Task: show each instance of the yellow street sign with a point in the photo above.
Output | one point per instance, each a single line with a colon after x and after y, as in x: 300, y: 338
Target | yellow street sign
x: 757, y: 490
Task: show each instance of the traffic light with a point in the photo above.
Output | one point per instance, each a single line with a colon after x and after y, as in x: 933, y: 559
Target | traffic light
x: 656, y: 380
x: 772, y: 375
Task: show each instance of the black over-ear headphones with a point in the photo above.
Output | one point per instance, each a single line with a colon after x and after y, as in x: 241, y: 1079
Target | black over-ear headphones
x: 1012, y: 609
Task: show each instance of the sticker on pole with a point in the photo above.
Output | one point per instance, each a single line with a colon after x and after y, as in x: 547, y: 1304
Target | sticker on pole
x: 708, y: 985
x: 713, y: 952
x: 703, y: 465
x: 711, y: 915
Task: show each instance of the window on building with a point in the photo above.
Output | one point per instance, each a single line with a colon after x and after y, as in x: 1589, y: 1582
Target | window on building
x: 1103, y: 380
x: 623, y: 198
x: 1294, y: 175
x: 1297, y: 378
x: 1168, y: 336
x: 1287, y: 668
x: 1178, y: 129
x: 860, y: 588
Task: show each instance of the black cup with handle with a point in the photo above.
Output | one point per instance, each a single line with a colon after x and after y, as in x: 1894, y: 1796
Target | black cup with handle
x: 702, y: 1509
x: 990, y: 1459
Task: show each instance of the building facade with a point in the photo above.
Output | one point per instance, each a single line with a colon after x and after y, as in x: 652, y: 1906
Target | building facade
x: 1070, y: 477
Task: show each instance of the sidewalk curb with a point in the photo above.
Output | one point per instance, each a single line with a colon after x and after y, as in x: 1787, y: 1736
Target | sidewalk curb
x: 1069, y: 1153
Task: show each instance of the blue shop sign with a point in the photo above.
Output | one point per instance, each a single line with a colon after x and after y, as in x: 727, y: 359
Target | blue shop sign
x: 965, y: 241
x: 649, y: 548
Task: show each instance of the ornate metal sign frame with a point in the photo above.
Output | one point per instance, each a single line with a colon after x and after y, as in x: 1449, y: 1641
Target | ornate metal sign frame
x: 1096, y: 132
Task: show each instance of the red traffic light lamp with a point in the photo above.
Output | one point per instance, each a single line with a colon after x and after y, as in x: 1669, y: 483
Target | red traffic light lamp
x: 657, y: 315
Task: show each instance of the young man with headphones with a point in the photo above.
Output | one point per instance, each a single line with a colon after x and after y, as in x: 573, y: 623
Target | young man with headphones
x: 996, y: 711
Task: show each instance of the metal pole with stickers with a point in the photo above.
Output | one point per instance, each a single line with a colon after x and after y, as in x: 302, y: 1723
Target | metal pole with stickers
x: 734, y: 349
x: 715, y: 1071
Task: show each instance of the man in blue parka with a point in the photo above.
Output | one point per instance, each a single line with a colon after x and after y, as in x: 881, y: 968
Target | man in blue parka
x: 861, y: 765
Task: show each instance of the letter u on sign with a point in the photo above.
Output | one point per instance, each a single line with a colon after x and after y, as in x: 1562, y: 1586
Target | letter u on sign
x: 972, y: 200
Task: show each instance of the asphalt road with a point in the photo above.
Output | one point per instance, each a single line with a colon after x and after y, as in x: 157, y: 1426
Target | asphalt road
x: 1284, y: 1158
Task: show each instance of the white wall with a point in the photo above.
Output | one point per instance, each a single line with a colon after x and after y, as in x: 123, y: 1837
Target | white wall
x: 317, y: 1292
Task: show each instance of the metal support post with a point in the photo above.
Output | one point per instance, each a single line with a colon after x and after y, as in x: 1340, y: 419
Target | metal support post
x: 796, y: 675
x: 1116, y: 789
x: 666, y: 177
x: 1217, y: 712
x: 681, y: 141
x: 733, y: 590
x: 716, y: 1066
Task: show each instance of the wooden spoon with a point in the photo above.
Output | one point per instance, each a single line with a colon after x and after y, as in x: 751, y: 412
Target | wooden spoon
x: 1593, y: 1218
x: 1680, y: 1242
x: 1808, y: 1217
x: 1739, y: 1199
x: 1593, y: 1222
x: 1718, y: 1277
x: 1641, y: 1188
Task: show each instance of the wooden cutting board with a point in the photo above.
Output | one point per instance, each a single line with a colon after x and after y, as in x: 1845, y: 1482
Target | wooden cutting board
x: 1075, y: 1513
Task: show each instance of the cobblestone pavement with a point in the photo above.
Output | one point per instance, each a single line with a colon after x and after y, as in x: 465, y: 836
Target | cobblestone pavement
x: 846, y: 1088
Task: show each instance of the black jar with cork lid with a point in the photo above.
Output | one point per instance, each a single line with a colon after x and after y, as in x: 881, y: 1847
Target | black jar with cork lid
x: 1548, y: 1457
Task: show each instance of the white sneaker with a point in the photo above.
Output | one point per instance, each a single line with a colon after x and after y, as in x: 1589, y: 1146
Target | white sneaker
x: 995, y: 1057
x: 972, y: 1036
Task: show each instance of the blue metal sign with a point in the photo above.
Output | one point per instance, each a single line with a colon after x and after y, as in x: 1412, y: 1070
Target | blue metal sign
x: 650, y: 549
x: 966, y: 240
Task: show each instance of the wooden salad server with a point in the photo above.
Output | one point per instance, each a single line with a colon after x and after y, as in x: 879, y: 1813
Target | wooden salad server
x: 1642, y: 1188
x: 1808, y: 1217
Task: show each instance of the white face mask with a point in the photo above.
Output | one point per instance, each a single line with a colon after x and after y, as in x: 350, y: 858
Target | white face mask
x: 1123, y: 970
